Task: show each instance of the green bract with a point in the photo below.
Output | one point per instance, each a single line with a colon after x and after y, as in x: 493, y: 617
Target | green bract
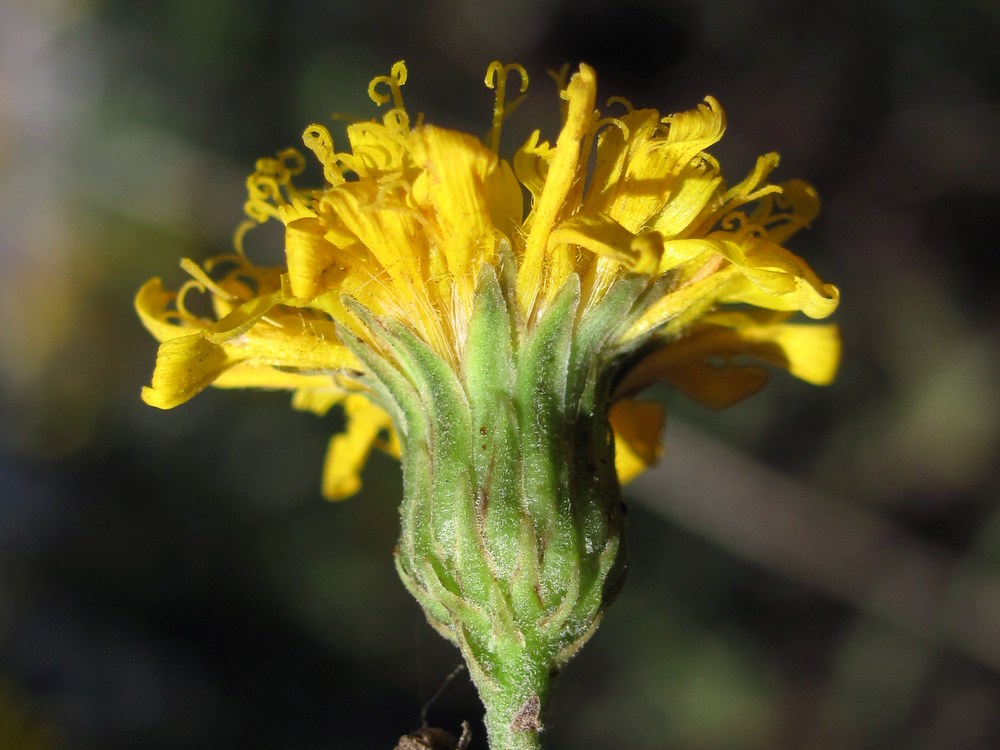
x: 512, y: 517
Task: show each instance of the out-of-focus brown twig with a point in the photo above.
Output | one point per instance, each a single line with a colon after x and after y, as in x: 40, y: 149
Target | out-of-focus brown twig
x: 845, y: 551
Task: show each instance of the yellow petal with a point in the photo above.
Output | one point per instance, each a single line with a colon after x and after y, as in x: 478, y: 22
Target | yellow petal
x: 705, y: 364
x: 699, y: 366
x: 749, y: 188
x: 633, y: 176
x: 716, y: 387
x: 679, y: 307
x: 599, y: 234
x: 812, y: 352
x: 152, y: 303
x: 318, y: 399
x: 452, y: 189
x: 693, y: 190
x: 291, y: 343
x: 311, y: 258
x: 531, y: 164
x: 185, y: 366
x: 348, y: 451
x: 506, y: 204
x: 618, y: 146
x: 242, y: 318
x: 774, y: 278
x: 693, y: 131
x: 808, y: 351
x: 405, y: 280
x: 785, y: 291
x: 787, y: 211
x: 678, y: 252
x: 392, y: 234
x: 377, y: 151
x: 562, y: 172
x: 637, y: 428
x: 268, y: 378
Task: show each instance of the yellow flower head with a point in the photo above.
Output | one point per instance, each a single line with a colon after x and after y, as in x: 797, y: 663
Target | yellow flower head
x: 411, y: 213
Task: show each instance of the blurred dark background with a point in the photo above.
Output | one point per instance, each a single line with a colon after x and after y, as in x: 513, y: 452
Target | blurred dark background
x: 815, y: 569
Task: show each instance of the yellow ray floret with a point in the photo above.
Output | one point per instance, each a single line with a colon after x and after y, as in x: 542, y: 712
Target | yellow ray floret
x: 411, y: 213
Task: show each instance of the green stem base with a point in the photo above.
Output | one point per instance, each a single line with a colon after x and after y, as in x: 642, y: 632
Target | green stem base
x: 514, y: 714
